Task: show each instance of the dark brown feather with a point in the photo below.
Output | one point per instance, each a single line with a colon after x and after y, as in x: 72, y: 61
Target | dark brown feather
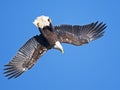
x: 26, y: 57
x: 78, y: 35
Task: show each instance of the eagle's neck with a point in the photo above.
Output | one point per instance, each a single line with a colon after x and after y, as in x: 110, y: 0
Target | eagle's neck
x: 50, y: 28
x: 49, y: 35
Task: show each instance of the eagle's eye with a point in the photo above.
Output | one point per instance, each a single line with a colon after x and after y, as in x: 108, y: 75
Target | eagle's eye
x: 49, y: 20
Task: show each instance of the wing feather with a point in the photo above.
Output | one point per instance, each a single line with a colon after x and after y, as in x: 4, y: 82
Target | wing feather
x: 78, y: 35
x: 26, y: 57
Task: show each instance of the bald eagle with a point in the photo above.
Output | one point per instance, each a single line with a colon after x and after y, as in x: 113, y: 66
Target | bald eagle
x: 51, y: 37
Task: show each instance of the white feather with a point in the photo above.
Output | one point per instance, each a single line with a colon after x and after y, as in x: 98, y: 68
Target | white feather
x: 41, y: 21
x: 58, y: 46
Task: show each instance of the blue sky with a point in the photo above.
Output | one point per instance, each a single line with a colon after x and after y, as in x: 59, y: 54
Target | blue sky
x: 95, y: 66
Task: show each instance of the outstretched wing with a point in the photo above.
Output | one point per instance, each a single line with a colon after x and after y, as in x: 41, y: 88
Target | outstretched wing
x: 79, y: 35
x: 26, y: 57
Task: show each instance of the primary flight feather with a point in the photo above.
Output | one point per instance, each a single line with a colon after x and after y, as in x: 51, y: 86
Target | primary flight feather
x: 51, y: 37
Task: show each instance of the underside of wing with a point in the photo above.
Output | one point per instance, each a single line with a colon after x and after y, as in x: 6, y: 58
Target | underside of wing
x: 78, y: 35
x: 25, y: 58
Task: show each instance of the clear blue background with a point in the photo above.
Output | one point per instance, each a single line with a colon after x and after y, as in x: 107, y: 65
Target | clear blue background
x: 95, y: 66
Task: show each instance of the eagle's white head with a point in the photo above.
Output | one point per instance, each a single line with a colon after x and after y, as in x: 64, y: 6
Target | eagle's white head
x: 42, y: 21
